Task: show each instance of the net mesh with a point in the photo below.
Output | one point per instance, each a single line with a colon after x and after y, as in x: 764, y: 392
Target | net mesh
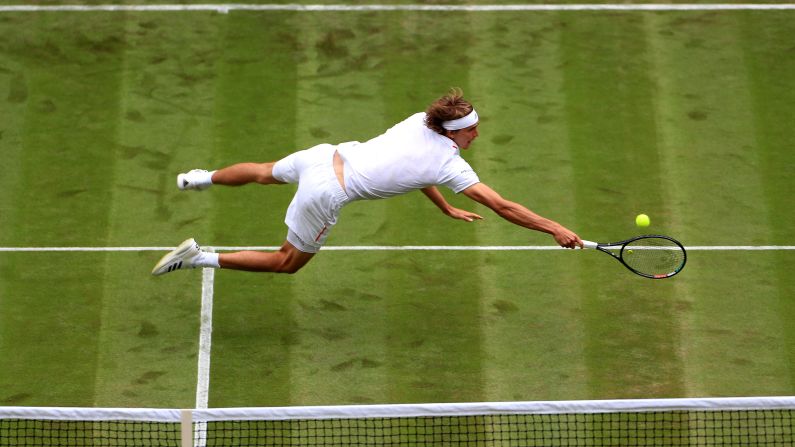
x: 679, y: 428
x: 39, y: 432
x: 766, y: 422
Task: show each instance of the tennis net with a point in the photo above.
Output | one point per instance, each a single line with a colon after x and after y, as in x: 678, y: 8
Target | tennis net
x: 758, y: 421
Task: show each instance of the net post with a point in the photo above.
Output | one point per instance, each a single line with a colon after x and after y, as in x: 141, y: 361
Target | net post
x: 186, y: 423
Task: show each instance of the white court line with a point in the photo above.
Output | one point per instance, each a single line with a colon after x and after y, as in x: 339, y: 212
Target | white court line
x: 205, y: 344
x: 205, y: 338
x: 389, y: 248
x: 377, y: 7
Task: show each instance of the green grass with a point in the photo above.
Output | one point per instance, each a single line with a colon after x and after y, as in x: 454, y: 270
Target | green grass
x: 587, y: 118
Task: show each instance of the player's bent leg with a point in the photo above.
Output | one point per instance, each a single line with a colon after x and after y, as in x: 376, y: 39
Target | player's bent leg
x: 287, y: 259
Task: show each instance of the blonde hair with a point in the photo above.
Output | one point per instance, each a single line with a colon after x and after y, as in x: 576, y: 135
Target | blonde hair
x: 449, y: 107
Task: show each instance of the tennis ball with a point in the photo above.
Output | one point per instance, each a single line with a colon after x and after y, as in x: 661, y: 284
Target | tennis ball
x: 642, y: 220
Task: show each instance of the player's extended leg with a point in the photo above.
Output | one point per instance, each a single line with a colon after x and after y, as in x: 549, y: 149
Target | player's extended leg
x: 235, y: 175
x: 287, y: 259
x: 189, y: 255
x: 244, y: 173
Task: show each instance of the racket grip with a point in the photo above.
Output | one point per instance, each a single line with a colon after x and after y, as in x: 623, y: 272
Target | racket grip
x: 588, y: 244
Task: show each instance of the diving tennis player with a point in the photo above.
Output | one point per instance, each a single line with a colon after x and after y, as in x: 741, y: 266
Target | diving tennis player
x: 418, y: 153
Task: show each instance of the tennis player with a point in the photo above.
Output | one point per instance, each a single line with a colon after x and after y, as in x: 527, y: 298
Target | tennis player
x: 419, y: 153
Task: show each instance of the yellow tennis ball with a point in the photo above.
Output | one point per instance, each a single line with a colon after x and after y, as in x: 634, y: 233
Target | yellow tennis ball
x: 642, y: 220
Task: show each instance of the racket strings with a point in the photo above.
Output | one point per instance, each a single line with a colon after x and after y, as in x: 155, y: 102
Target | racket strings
x: 653, y: 256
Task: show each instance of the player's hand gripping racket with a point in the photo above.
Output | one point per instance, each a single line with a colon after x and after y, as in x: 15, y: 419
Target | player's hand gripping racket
x: 652, y: 256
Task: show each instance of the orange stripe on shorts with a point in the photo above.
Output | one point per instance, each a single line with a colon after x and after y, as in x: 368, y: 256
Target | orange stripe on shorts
x: 321, y: 233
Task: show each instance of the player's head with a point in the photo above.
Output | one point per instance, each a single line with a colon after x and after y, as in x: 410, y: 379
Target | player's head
x: 454, y: 117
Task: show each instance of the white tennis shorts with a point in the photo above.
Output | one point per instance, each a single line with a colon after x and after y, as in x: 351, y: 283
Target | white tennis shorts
x: 319, y: 199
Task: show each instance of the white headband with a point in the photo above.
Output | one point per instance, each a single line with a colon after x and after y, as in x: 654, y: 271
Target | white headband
x: 462, y: 123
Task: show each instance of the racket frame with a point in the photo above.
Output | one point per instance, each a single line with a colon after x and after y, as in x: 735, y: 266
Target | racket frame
x: 606, y: 246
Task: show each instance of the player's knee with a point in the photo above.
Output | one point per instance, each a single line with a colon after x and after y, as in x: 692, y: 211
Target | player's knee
x: 290, y: 269
x: 264, y: 174
x: 289, y: 265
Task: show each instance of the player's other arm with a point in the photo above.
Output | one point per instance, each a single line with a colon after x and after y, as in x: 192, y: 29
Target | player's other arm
x: 436, y: 197
x: 519, y: 215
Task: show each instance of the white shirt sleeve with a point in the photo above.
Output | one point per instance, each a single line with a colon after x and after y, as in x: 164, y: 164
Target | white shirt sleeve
x: 457, y: 175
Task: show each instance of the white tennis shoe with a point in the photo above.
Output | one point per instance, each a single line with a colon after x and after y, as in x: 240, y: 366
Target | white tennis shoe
x: 194, y: 179
x: 181, y: 257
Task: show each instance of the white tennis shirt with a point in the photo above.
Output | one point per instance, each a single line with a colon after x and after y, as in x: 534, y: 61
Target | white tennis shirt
x: 406, y: 157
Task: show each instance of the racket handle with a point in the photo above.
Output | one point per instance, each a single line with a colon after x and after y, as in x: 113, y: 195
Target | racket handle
x: 588, y: 244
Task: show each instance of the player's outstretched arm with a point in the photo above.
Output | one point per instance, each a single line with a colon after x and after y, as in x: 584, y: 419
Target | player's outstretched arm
x: 436, y: 197
x: 520, y: 215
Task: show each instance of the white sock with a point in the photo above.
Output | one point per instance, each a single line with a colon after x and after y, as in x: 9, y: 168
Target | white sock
x: 206, y: 178
x: 207, y: 259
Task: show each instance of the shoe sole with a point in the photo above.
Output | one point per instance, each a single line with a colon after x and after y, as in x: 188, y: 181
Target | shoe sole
x: 171, y: 256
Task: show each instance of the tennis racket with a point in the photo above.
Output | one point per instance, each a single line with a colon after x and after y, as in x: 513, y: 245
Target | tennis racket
x: 650, y: 256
